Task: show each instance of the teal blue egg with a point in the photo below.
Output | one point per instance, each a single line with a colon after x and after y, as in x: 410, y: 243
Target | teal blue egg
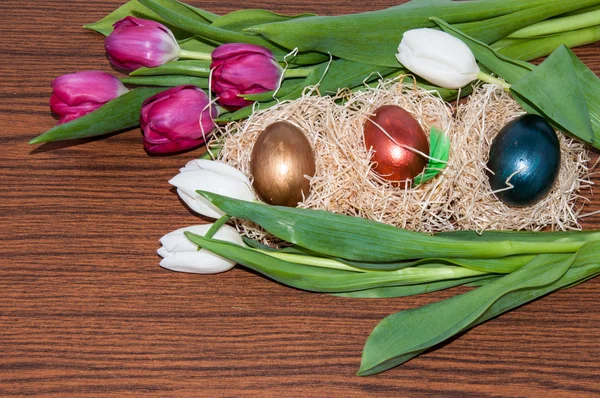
x: 526, y: 152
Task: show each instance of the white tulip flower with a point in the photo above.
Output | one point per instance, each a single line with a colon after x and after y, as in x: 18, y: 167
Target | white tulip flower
x: 179, y: 254
x: 438, y: 57
x: 211, y: 176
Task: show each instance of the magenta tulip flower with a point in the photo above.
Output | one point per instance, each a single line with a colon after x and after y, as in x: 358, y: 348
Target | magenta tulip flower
x: 242, y: 69
x: 137, y: 42
x: 177, y: 119
x: 77, y: 94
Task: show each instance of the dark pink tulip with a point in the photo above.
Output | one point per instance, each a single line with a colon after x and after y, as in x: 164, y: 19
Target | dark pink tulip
x: 137, y: 42
x: 77, y: 94
x: 242, y: 69
x: 177, y: 119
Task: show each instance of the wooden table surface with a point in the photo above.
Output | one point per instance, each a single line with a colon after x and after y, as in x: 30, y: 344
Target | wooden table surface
x: 85, y: 310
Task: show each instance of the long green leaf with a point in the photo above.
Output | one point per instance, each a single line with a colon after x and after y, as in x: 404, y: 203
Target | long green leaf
x: 406, y: 334
x: 355, y: 238
x: 136, y: 9
x: 373, y: 37
x: 223, y: 35
x: 198, y: 45
x: 528, y: 236
x: 241, y: 19
x: 553, y: 91
x: 502, y: 265
x: 326, y: 280
x: 490, y: 30
x: 530, y: 49
x: 119, y: 114
x: 579, y: 84
x: 210, y: 17
x: 412, y: 290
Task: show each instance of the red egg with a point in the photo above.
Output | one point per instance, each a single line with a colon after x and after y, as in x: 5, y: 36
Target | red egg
x: 392, y: 148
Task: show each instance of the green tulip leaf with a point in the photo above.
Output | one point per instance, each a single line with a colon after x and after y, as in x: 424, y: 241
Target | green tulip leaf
x: 530, y: 49
x: 198, y: 45
x: 528, y: 236
x: 119, y: 114
x: 326, y: 280
x: 207, y: 15
x: 553, y: 90
x: 373, y: 37
x: 413, y: 290
x: 585, y: 87
x: 359, y: 239
x: 168, y: 10
x: 241, y: 19
x: 134, y: 8
x: 439, y: 151
x: 406, y: 334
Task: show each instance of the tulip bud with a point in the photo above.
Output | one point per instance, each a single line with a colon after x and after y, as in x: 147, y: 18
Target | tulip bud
x: 177, y: 119
x: 137, y: 42
x: 438, y: 57
x: 211, y: 176
x: 77, y: 94
x: 179, y: 254
x: 240, y: 69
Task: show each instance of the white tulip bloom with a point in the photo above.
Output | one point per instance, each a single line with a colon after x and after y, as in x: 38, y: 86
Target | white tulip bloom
x: 438, y: 57
x: 211, y: 176
x: 179, y: 254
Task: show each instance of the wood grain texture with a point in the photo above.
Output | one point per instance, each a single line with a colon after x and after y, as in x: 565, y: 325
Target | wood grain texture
x: 85, y: 310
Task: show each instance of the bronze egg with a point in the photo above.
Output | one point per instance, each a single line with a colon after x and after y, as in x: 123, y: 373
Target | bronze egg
x: 281, y: 158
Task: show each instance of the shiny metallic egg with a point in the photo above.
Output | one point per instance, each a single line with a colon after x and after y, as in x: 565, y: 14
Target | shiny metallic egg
x: 281, y: 158
x: 524, y: 161
x: 392, y: 133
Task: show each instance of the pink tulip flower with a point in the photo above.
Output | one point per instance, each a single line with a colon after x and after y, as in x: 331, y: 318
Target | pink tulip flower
x: 239, y: 69
x: 177, y: 119
x: 137, y: 42
x: 77, y: 94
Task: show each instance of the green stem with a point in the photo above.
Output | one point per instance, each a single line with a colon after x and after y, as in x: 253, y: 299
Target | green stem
x: 194, y: 55
x: 558, y: 25
x: 484, y: 77
x: 297, y: 72
x: 529, y: 49
x: 212, y: 151
x: 311, y: 261
x: 216, y: 226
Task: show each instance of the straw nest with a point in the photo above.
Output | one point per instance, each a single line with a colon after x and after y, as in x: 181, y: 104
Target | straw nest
x: 458, y: 198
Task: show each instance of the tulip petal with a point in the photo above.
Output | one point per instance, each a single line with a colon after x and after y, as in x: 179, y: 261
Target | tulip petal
x: 179, y: 254
x: 137, y: 42
x: 199, y: 262
x: 229, y: 50
x: 216, y: 167
x: 188, y: 182
x: 437, y: 57
x: 176, y: 119
x: 87, y: 86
